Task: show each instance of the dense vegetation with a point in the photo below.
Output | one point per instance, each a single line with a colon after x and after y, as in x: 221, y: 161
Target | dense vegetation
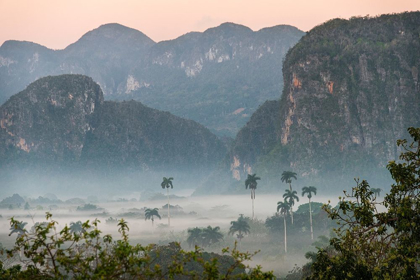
x: 63, y: 120
x: 351, y: 88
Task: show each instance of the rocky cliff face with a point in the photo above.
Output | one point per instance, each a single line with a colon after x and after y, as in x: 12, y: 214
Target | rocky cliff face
x: 63, y: 120
x: 351, y: 90
x: 49, y: 119
x: 208, y: 77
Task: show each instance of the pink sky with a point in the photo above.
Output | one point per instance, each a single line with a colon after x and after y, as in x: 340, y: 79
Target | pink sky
x: 58, y: 23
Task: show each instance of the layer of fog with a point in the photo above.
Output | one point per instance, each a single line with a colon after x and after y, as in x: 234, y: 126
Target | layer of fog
x: 197, y: 212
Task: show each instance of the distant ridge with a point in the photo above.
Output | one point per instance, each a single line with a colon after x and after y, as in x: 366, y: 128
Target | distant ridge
x: 213, y: 74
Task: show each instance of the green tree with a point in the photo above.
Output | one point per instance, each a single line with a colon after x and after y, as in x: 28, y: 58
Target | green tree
x: 211, y: 235
x: 287, y: 176
x: 149, y: 214
x: 291, y: 197
x: 283, y: 208
x: 194, y: 237
x: 102, y: 257
x: 251, y: 183
x: 374, y: 243
x: 166, y: 183
x: 240, y: 226
x: 309, y: 191
x: 76, y: 227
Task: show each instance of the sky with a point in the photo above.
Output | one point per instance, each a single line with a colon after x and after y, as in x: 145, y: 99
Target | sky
x: 58, y: 23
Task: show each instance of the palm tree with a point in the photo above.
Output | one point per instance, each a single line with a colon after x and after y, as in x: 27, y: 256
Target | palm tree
x: 211, y: 235
x: 290, y: 197
x: 251, y: 182
x: 287, y: 177
x: 166, y: 183
x: 240, y: 226
x: 309, y: 191
x: 194, y: 236
x: 377, y: 191
x: 283, y: 208
x: 76, y: 227
x: 149, y: 214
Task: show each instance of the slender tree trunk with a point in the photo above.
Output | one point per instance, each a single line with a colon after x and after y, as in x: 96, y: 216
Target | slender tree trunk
x: 291, y: 212
x: 285, y: 234
x: 253, y: 197
x: 310, y: 218
x: 169, y: 217
x: 290, y: 186
x: 153, y: 226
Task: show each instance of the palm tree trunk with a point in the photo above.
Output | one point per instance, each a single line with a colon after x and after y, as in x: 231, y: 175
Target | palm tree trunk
x: 310, y: 218
x: 253, y: 197
x: 285, y: 234
x: 169, y: 217
x: 291, y: 212
x: 290, y: 186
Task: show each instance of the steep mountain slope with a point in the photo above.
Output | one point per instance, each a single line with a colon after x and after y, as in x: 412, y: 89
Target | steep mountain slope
x: 106, y: 54
x: 48, y: 121
x: 63, y: 120
x: 217, y: 78
x: 351, y: 91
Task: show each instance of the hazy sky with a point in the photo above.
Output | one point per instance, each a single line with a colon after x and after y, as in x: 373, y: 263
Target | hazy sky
x: 58, y: 23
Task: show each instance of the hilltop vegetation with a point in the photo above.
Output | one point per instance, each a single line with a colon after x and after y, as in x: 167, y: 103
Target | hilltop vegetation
x: 351, y: 88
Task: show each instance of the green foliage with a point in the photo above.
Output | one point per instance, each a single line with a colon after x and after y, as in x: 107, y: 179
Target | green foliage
x: 88, y: 207
x: 375, y: 243
x: 304, y: 208
x: 89, y: 255
x: 167, y: 182
x: 204, y: 237
x: 240, y: 226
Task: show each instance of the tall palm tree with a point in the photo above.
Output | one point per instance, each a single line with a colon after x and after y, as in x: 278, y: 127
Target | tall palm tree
x: 287, y: 177
x: 251, y: 182
x: 166, y: 183
x: 309, y: 191
x: 239, y: 226
x: 149, y: 214
x: 283, y: 208
x: 211, y: 235
x: 194, y: 236
x: 377, y: 191
x: 290, y: 197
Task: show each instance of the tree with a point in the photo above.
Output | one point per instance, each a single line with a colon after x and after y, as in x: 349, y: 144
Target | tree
x: 309, y: 191
x: 194, y: 237
x: 18, y: 228
x: 252, y: 183
x: 376, y: 191
x: 166, y: 183
x: 149, y: 214
x: 290, y: 197
x: 102, y: 257
x: 239, y: 226
x: 283, y: 208
x: 374, y: 243
x: 287, y: 176
x: 211, y: 235
x: 76, y: 227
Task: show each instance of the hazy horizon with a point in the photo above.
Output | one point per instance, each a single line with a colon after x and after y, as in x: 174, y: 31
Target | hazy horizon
x: 58, y: 24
